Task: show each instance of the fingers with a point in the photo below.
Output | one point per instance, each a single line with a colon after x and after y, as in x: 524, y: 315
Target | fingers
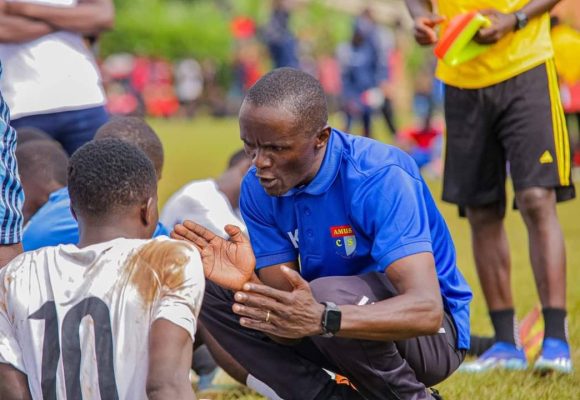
x: 176, y: 236
x: 278, y: 295
x: 199, y: 230
x: 434, y: 21
x: 487, y: 36
x: 235, y: 234
x: 256, y: 301
x: 425, y: 35
x: 185, y: 233
x: 259, y: 314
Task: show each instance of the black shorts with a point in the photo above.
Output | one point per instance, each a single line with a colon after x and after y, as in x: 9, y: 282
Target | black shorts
x: 516, y: 127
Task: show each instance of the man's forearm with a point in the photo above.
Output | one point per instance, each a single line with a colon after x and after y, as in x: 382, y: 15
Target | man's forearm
x: 16, y: 29
x: 87, y: 18
x: 397, y: 318
x: 418, y: 8
x: 538, y: 7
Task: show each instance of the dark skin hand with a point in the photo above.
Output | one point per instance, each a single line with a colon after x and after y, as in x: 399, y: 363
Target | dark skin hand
x: 294, y: 314
x: 228, y: 263
x: 501, y: 25
x: 424, y: 29
x: 291, y: 315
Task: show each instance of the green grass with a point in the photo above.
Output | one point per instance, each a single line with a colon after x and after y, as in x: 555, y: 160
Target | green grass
x: 200, y: 148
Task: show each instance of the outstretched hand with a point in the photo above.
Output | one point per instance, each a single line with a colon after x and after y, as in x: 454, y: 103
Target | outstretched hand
x: 228, y: 263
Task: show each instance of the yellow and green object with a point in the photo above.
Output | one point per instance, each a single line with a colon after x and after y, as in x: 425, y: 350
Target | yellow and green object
x: 457, y: 46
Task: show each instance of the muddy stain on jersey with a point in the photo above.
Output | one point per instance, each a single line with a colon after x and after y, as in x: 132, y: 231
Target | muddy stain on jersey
x: 156, y: 266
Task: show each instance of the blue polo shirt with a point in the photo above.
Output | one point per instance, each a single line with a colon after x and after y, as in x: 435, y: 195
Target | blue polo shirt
x: 366, y: 208
x: 54, y: 224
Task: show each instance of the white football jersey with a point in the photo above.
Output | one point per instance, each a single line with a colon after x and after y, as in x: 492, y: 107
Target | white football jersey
x: 76, y: 321
x: 202, y: 202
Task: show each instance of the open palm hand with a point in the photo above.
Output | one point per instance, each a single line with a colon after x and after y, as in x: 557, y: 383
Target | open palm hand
x: 228, y: 263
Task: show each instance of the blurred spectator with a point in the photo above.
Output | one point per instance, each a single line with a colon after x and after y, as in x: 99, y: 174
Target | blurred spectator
x: 122, y: 98
x: 328, y: 73
x: 51, y: 81
x: 212, y: 203
x: 188, y: 85
x: 281, y: 42
x: 363, y: 71
x: 159, y: 93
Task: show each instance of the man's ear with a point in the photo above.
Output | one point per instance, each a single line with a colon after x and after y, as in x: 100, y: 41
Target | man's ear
x: 148, y: 212
x: 323, y: 136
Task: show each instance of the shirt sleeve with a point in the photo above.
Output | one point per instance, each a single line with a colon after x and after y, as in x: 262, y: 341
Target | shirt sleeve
x: 271, y: 246
x: 181, y: 304
x: 10, y: 351
x: 393, y: 212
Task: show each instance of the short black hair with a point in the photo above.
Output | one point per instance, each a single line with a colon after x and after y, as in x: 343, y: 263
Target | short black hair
x: 108, y: 175
x: 237, y: 157
x: 137, y: 132
x: 42, y: 161
x: 30, y: 133
x: 295, y: 91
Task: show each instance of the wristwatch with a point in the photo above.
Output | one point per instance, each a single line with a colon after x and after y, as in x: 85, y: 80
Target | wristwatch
x: 521, y: 20
x: 330, y: 319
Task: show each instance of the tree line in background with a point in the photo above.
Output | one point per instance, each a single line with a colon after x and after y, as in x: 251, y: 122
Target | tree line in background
x: 174, y: 29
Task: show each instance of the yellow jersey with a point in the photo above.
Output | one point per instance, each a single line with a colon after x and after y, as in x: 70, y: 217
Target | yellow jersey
x: 515, y: 53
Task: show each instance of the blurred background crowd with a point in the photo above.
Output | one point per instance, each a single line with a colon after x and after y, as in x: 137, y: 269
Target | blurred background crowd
x: 361, y: 51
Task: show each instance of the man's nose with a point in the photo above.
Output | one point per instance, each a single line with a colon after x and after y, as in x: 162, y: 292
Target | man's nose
x: 261, y: 159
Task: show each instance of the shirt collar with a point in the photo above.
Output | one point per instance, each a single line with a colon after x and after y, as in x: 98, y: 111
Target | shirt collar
x: 328, y: 169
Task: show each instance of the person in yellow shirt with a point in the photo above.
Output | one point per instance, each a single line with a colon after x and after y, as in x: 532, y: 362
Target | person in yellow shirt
x: 504, y: 115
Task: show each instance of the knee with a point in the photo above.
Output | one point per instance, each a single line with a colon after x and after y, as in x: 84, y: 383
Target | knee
x: 535, y: 203
x: 482, y: 216
x: 323, y: 289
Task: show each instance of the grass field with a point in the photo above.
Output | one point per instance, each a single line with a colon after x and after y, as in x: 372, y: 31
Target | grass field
x: 200, y: 148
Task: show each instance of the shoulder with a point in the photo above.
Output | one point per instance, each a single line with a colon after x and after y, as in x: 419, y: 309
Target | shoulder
x: 365, y: 158
x: 23, y: 265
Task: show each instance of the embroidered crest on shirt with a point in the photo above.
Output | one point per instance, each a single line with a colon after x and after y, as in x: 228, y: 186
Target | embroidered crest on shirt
x: 344, y: 238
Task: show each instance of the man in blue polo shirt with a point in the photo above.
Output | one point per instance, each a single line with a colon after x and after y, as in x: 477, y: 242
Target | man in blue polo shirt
x: 355, y: 266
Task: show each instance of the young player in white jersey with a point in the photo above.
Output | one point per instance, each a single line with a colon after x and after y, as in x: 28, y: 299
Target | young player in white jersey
x: 113, y: 317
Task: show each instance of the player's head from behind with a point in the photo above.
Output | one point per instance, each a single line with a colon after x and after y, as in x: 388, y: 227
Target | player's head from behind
x: 137, y: 132
x: 42, y: 165
x: 113, y: 191
x: 283, y: 124
x: 29, y: 134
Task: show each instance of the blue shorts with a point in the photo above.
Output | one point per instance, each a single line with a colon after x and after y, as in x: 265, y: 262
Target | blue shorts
x: 71, y: 128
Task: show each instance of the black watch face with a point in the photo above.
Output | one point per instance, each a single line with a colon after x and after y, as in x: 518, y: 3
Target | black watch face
x: 332, y: 321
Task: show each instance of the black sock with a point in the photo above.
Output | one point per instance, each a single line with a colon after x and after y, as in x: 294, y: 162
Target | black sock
x: 555, y: 323
x: 504, y: 323
x: 479, y: 344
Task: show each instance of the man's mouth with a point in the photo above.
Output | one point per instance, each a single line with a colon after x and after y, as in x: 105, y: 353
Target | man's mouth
x: 267, y: 182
